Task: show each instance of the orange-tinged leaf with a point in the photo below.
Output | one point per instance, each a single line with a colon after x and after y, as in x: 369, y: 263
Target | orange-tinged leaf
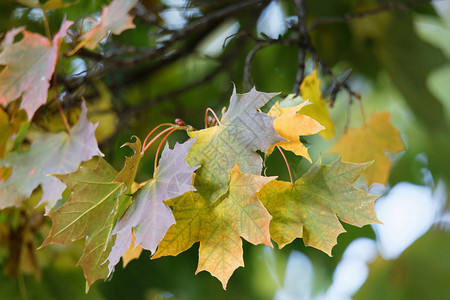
x: 310, y: 208
x: 133, y: 251
x: 310, y: 90
x: 114, y: 19
x: 290, y: 125
x: 51, y: 153
x: 219, y: 227
x: 29, y: 66
x: 10, y: 35
x: 370, y: 142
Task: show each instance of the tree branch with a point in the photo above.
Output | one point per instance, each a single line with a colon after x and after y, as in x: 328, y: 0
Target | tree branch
x: 384, y: 7
x: 303, y: 40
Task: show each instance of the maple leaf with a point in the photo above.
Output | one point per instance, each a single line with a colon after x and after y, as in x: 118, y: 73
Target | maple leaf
x: 219, y: 227
x: 148, y: 214
x: 51, y: 153
x: 370, y: 142
x: 310, y: 208
x: 290, y: 125
x: 98, y: 198
x: 310, y: 90
x: 10, y: 35
x: 114, y: 18
x: 133, y: 252
x: 242, y: 131
x: 29, y: 65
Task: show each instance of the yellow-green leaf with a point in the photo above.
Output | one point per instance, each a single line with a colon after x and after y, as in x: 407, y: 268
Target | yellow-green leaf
x: 290, y: 125
x: 242, y: 131
x: 310, y: 208
x: 310, y: 90
x: 219, y: 227
x: 98, y: 198
x: 370, y: 142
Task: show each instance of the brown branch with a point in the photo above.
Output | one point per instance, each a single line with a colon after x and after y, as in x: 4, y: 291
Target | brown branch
x: 248, y: 65
x: 127, y: 113
x: 303, y: 40
x: 327, y: 70
x: 155, y: 52
x: 384, y: 7
x: 189, y: 29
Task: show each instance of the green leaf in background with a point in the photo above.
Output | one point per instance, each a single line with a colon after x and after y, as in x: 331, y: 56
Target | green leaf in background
x: 310, y: 208
x: 421, y: 272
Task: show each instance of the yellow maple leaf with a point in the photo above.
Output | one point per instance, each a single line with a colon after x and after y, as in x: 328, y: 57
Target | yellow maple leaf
x: 219, y: 227
x: 310, y: 90
x: 290, y: 125
x: 133, y: 252
x: 370, y: 142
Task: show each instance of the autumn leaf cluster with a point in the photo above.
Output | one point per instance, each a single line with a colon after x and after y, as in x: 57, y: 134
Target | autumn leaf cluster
x: 208, y: 189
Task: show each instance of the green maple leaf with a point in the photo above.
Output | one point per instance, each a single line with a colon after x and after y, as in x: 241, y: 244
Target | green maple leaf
x: 51, y: 153
x: 242, y: 131
x: 310, y: 208
x: 98, y: 198
x: 219, y: 227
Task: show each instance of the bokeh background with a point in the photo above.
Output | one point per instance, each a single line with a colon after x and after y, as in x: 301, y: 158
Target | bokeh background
x: 396, y: 58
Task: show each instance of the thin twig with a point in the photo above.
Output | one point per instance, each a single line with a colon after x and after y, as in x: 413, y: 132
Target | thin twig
x: 248, y: 65
x: 60, y: 108
x: 129, y: 112
x: 303, y: 40
x: 46, y: 26
x: 189, y: 29
x: 349, y: 114
x: 328, y: 71
x: 361, y: 106
x: 287, y: 164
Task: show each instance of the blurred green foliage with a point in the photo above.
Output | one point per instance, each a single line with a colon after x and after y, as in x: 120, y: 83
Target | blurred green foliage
x: 397, y: 65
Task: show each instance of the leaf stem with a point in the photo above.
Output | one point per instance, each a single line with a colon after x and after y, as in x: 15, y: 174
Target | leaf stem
x: 159, y: 147
x: 287, y: 164
x: 55, y: 84
x: 361, y: 106
x: 213, y: 113
x: 47, y: 26
x: 145, y: 146
x: 60, y: 108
